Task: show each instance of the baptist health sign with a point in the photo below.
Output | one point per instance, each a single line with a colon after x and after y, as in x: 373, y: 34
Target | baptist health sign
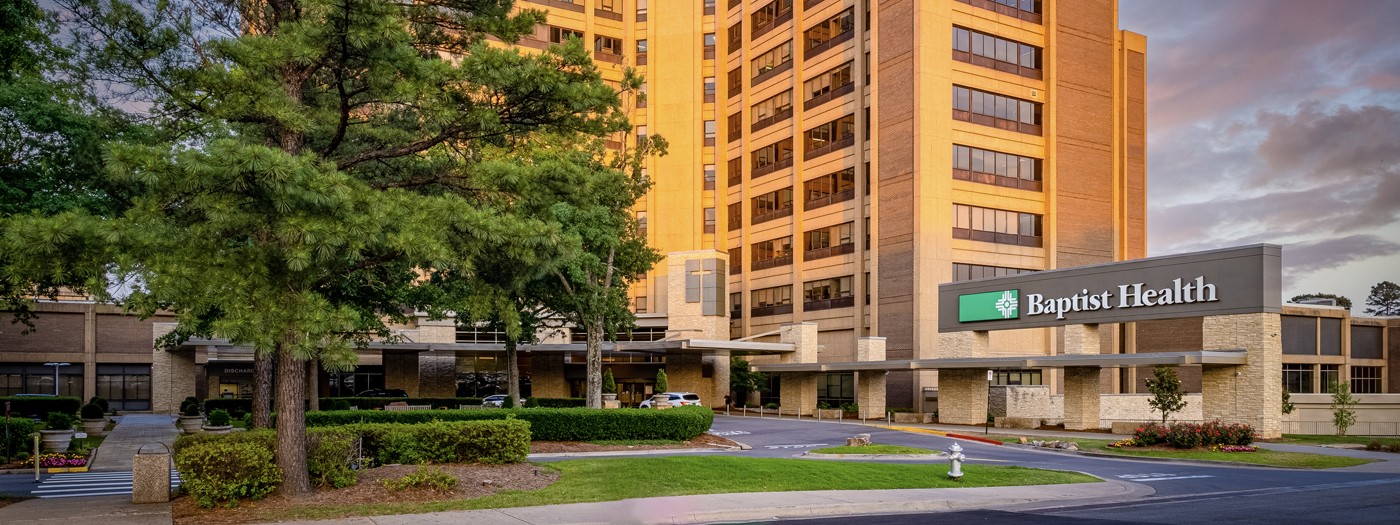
x: 1220, y: 282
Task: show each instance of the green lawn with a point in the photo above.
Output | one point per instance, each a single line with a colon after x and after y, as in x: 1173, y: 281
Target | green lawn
x: 874, y: 449
x: 589, y: 480
x: 1273, y: 458
x: 1328, y: 439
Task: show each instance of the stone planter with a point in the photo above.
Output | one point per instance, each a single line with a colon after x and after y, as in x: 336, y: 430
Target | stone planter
x: 93, y: 427
x: 609, y: 397
x: 191, y: 424
x: 661, y: 401
x: 217, y: 430
x: 832, y: 413
x: 57, y: 440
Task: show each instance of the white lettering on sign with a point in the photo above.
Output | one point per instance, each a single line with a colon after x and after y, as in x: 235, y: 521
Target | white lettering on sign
x: 79, y: 435
x: 1129, y: 296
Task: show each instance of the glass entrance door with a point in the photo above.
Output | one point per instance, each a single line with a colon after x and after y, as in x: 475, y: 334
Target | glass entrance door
x: 632, y: 394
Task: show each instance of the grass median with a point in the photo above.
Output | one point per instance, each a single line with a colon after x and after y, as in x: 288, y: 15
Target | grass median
x: 873, y: 449
x: 592, y: 480
x: 1327, y: 439
x: 1263, y: 457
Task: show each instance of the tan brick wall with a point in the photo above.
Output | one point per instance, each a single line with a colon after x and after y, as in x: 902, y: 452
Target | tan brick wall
x: 870, y: 385
x: 401, y: 372
x: 1027, y: 401
x: 963, y: 344
x: 1246, y: 393
x: 684, y: 373
x: 799, y: 393
x: 547, y: 375
x: 681, y: 315
x: 1134, y: 408
x: 1082, y: 339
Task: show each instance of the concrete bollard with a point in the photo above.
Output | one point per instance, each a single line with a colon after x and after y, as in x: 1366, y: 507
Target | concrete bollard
x: 150, y: 477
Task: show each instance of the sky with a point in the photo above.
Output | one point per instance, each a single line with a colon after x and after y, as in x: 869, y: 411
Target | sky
x: 1276, y: 121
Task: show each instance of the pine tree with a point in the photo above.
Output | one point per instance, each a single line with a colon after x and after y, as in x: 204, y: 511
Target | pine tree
x: 325, y: 163
x: 1384, y: 299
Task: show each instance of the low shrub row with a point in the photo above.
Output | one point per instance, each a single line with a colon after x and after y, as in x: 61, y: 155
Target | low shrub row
x: 221, y: 468
x: 551, y: 424
x: 1192, y: 435
x: 14, y: 436
x: 38, y: 406
x: 370, y: 403
x: 555, y: 402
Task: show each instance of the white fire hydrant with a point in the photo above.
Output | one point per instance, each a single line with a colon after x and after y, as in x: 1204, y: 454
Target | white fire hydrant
x: 955, y: 457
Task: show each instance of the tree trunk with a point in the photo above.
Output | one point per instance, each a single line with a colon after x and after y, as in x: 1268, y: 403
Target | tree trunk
x: 262, y: 390
x: 291, y: 422
x: 594, y: 392
x: 313, y: 383
x: 512, y: 372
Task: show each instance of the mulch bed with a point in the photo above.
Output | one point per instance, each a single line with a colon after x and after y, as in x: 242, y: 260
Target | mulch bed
x: 470, y: 484
x: 554, y: 447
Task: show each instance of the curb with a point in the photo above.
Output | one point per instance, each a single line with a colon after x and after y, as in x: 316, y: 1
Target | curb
x: 623, y: 453
x: 944, y: 434
x: 813, y: 455
x: 1197, y: 462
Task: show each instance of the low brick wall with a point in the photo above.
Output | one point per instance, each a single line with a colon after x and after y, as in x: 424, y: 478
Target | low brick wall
x: 1035, y: 402
x: 1377, y: 415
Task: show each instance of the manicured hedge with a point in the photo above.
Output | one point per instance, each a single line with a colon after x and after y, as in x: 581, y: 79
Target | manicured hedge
x: 39, y: 406
x: 556, y: 402
x: 369, y: 403
x: 220, y: 468
x: 551, y: 424
x: 230, y: 405
x: 18, y: 440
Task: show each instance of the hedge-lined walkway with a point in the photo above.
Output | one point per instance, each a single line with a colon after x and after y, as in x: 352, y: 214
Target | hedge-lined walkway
x: 134, y: 431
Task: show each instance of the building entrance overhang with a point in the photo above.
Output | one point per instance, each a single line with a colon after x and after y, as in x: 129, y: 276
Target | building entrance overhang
x: 677, y: 347
x: 1202, y: 357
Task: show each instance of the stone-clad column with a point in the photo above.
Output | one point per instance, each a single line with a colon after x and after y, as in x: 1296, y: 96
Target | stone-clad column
x: 401, y: 372
x: 1082, y: 382
x: 719, y: 381
x: 962, y: 392
x: 870, y: 384
x: 547, y: 375
x: 1247, y: 393
x: 799, y: 389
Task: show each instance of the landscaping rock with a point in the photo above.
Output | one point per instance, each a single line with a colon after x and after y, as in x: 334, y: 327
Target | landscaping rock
x: 860, y: 440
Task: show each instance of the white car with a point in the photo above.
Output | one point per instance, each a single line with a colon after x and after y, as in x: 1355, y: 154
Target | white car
x: 498, y: 399
x: 678, y: 399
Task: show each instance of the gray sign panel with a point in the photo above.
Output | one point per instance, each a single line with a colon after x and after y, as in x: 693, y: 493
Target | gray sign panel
x: 1246, y: 279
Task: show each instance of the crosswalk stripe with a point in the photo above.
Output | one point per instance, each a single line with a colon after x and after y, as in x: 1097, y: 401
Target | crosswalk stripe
x: 85, y: 495
x: 91, y: 484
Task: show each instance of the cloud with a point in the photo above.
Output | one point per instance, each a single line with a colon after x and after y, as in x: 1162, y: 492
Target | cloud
x: 1302, y: 259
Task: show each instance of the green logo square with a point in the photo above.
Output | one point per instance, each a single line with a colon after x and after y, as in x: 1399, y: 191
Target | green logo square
x: 989, y: 306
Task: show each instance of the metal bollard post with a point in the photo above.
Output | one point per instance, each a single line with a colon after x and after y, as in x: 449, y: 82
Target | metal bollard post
x: 760, y: 411
x: 36, y: 456
x: 819, y: 415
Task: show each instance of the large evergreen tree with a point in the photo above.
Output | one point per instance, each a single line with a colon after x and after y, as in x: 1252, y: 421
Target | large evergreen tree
x: 1384, y: 299
x: 326, y: 162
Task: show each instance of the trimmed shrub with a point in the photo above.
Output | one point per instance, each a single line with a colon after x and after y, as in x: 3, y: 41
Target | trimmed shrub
x: 93, y: 411
x: 609, y: 385
x: 101, y: 403
x: 185, y: 405
x: 551, y: 424
x: 850, y: 408
x: 329, y: 453
x: 59, y: 421
x: 219, y: 418
x: 34, y: 406
x: 493, y: 442
x: 14, y: 436
x: 771, y: 406
x: 1150, y: 434
x: 425, y: 477
x: 340, y: 404
x: 662, y: 386
x: 220, y: 471
x: 508, y: 402
x: 555, y: 402
x: 1395, y: 447
x: 1185, y: 435
x: 370, y: 403
x: 1375, y: 446
x: 190, y: 410
x: 231, y: 405
x: 823, y: 406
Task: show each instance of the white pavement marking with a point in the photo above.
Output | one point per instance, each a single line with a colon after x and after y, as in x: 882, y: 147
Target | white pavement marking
x: 1157, y: 476
x: 91, y: 484
x: 730, y: 433
x: 797, y: 446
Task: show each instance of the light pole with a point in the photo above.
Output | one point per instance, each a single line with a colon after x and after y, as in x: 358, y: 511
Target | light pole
x: 55, y: 366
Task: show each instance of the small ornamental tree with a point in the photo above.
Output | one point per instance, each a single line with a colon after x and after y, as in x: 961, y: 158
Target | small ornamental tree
x: 1288, y: 406
x: 1167, y: 396
x: 1343, y: 406
x: 743, y: 380
x: 609, y: 385
x: 661, y: 385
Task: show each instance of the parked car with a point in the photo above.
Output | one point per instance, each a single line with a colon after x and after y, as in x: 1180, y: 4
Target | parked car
x: 498, y: 400
x: 678, y: 399
x: 381, y: 392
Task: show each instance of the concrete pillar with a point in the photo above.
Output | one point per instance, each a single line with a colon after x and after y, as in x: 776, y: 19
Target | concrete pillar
x: 401, y: 372
x: 1081, y: 397
x: 719, y: 381
x: 547, y: 375
x: 799, y: 389
x: 962, y: 392
x: 870, y: 384
x: 1251, y: 393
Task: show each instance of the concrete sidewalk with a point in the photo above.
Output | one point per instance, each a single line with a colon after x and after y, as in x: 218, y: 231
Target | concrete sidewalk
x: 766, y: 505
x: 133, y: 432
x: 106, y: 510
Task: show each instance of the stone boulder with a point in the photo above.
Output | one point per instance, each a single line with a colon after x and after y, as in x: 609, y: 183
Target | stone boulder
x: 860, y: 440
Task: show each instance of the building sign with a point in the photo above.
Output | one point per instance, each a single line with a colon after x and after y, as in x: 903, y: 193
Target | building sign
x: 1222, y: 282
x: 987, y: 306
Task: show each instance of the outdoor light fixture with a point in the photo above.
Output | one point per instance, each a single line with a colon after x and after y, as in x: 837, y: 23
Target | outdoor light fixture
x: 55, y: 366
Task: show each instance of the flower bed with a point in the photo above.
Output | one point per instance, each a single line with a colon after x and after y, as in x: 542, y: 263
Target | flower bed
x: 1192, y: 435
x: 65, y: 460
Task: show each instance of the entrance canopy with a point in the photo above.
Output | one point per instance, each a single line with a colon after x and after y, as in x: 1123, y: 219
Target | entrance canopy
x: 1203, y: 357
x: 678, y: 347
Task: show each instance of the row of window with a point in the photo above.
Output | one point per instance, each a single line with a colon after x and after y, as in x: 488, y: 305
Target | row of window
x: 1298, y: 378
x: 980, y: 219
x: 1303, y: 335
x: 995, y: 163
x: 993, y: 105
x: 996, y: 48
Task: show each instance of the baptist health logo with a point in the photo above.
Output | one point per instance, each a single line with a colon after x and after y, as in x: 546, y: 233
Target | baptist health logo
x: 1007, y: 305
